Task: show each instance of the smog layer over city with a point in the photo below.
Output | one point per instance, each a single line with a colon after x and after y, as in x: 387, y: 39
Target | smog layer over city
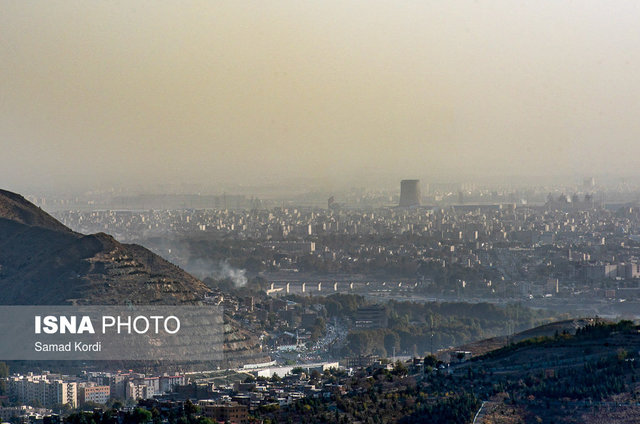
x: 389, y: 212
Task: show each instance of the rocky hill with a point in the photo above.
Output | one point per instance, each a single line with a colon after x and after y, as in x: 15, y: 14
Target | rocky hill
x: 16, y: 208
x: 42, y: 262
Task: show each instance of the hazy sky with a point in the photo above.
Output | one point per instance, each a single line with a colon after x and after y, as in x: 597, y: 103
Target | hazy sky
x: 108, y: 92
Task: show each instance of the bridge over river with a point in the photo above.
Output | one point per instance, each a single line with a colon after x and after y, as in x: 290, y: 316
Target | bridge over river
x: 277, y: 288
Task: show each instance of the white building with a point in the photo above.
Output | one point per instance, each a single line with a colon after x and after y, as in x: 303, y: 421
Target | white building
x: 43, y: 390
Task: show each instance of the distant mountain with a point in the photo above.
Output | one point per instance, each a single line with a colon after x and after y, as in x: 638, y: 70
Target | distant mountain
x: 44, y: 262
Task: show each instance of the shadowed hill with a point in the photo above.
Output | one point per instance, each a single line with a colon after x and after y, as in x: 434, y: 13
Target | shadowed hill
x: 16, y: 208
x: 50, y: 264
x: 588, y: 375
x: 42, y: 262
x: 481, y: 347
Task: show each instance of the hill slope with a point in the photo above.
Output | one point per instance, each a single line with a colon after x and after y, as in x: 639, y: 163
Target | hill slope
x: 481, y: 347
x: 587, y: 377
x: 42, y: 262
x: 16, y: 208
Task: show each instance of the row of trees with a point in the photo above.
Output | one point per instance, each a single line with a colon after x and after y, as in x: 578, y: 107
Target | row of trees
x: 381, y: 396
x: 415, y: 328
x: 188, y: 414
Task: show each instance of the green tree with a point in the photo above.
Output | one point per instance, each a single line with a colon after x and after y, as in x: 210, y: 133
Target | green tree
x: 430, y: 361
x: 141, y: 416
x: 190, y: 408
x: 400, y: 369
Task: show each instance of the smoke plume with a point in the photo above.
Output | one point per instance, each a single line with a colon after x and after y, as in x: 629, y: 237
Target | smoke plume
x: 224, y: 271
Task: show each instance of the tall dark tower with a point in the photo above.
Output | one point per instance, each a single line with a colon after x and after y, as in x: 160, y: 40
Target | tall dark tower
x: 409, y: 193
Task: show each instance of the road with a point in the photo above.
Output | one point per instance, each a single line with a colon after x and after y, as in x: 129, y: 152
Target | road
x: 479, y: 414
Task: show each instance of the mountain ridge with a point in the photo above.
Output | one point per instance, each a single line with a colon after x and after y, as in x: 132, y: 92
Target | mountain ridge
x: 44, y: 262
x: 15, y: 207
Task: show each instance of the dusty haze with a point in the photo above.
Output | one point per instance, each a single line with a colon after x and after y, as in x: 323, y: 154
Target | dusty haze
x: 115, y: 92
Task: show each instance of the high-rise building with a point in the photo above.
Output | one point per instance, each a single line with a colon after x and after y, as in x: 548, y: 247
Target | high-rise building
x: 43, y: 390
x: 589, y: 183
x: 409, y: 193
x: 95, y: 394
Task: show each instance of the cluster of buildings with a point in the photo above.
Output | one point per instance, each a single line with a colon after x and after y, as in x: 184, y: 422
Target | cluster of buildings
x: 269, y: 387
x: 257, y: 393
x: 40, y: 395
x: 622, y: 271
x: 55, y: 390
x: 500, y: 245
x: 287, y: 326
x: 25, y: 413
x: 42, y: 389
